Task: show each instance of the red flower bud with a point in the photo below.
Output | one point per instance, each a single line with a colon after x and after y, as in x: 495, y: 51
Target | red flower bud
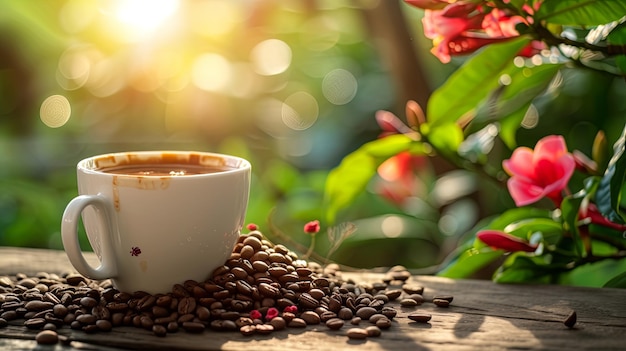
x: 291, y: 309
x: 503, y: 241
x: 312, y: 227
x: 252, y: 226
x: 271, y: 314
x: 255, y: 314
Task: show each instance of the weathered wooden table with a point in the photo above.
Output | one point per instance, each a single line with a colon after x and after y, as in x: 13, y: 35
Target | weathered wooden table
x: 483, y: 316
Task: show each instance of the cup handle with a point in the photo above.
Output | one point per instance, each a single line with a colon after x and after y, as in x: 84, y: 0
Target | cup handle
x: 69, y: 235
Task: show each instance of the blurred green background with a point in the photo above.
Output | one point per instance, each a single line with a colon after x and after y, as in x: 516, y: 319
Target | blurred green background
x: 292, y: 85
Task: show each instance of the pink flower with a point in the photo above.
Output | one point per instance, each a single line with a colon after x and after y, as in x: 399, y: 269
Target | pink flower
x: 312, y: 227
x: 543, y: 172
x: 462, y: 27
x: 503, y: 241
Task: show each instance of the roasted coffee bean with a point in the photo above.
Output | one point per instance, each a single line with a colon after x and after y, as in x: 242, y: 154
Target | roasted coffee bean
x: 373, y: 331
x: 186, y: 305
x: 408, y: 303
x: 60, y: 310
x: 37, y: 305
x: 88, y: 302
x: 328, y: 315
x: 146, y: 302
x: 393, y: 294
x: 104, y: 325
x: 413, y: 289
x: 448, y: 298
x: 47, y: 337
x: 220, y: 325
x: 383, y: 323
x: 419, y: 299
x: 420, y: 317
x: 86, y: 319
x: 334, y: 323
x: 49, y: 326
x: 357, y: 333
x: 345, y: 313
x: 264, y: 329
x: 163, y: 301
x: 441, y: 302
x: 3, y: 323
x: 570, y: 321
x: 365, y: 312
x: 159, y: 330
x: 297, y: 323
x: 101, y: 312
x: 34, y: 323
x: 310, y: 317
x: 50, y: 297
x: 375, y: 317
x: 355, y: 321
x: 307, y: 301
x: 389, y: 312
x: 279, y: 323
x: 269, y: 290
x: 172, y: 327
x: 247, y: 330
x: 9, y: 315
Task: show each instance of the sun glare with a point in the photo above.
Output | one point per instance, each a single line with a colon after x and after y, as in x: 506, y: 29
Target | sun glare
x: 144, y: 16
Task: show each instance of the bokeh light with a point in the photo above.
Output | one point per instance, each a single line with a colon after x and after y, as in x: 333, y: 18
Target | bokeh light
x: 271, y: 57
x: 55, y: 111
x: 339, y: 86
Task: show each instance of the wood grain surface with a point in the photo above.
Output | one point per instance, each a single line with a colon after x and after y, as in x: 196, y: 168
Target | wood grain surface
x: 482, y: 316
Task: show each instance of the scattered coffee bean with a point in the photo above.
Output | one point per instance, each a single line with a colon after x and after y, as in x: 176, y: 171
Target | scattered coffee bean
x: 297, y: 323
x: 47, y: 337
x: 373, y: 330
x: 357, y: 333
x: 420, y: 317
x: 448, y: 298
x: 366, y: 312
x: 259, y: 276
x: 441, y: 302
x: 408, y: 303
x: 570, y: 321
x: 159, y: 330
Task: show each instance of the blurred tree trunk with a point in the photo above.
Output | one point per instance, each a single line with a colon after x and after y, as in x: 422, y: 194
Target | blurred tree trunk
x: 389, y: 32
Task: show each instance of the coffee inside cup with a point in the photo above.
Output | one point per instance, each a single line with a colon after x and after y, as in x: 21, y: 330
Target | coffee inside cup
x: 163, y: 165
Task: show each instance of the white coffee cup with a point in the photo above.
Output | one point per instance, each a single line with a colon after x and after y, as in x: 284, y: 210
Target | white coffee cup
x: 152, y: 229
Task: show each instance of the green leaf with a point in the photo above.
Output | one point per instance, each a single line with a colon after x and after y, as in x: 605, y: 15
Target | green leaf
x: 470, y: 261
x: 520, y: 268
x: 608, y: 195
x: 570, y: 209
x: 550, y: 229
x: 350, y: 178
x: 446, y: 138
x: 618, y: 281
x: 510, y: 124
x: 519, y: 86
x: 516, y: 215
x: 472, y: 82
x: 581, y: 12
x: 618, y: 37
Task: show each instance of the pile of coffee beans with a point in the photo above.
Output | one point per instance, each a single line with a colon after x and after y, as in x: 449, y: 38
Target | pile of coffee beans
x: 261, y: 288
